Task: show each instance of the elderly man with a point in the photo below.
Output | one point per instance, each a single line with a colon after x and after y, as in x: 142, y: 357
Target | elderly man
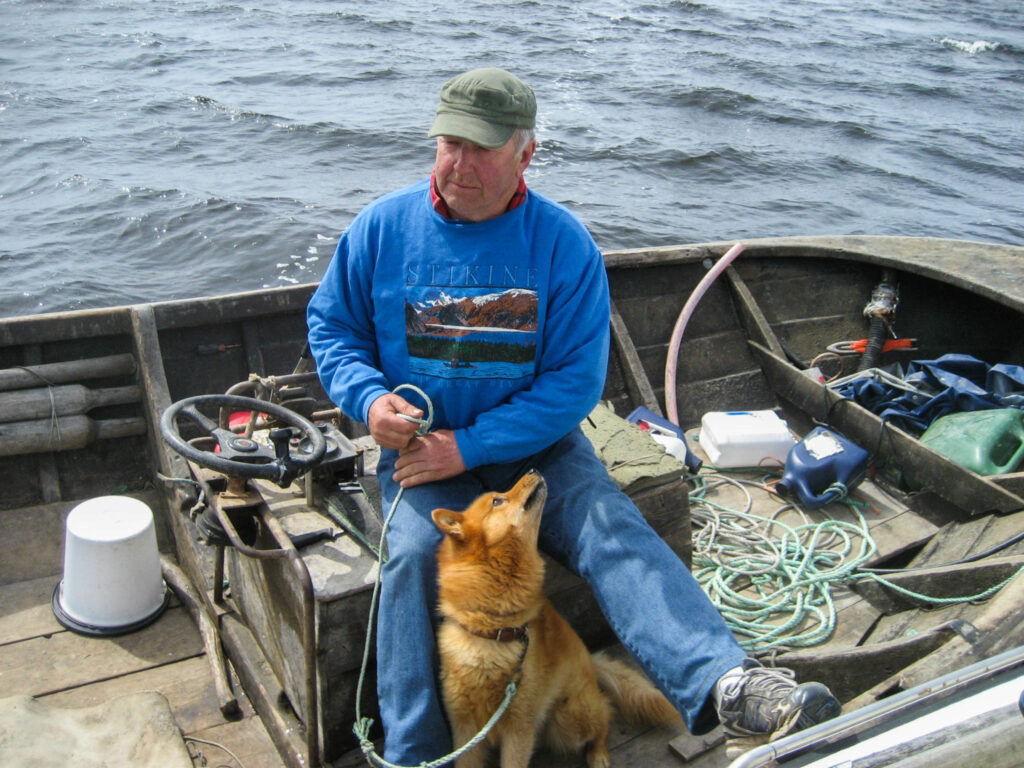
x: 493, y: 300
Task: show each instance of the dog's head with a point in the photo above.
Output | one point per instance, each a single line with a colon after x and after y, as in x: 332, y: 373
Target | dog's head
x: 489, y: 556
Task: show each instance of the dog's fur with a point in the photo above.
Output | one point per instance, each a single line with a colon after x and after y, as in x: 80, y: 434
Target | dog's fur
x: 491, y: 577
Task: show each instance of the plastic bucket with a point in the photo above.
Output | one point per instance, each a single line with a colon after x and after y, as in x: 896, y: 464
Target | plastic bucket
x: 112, y: 582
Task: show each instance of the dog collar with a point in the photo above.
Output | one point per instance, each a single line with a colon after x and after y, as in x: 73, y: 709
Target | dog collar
x: 503, y: 635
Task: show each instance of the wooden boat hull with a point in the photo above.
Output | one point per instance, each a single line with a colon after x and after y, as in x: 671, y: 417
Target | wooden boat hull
x: 783, y: 300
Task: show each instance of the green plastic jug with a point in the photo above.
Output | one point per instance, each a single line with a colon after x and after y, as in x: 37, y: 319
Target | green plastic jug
x: 987, y: 442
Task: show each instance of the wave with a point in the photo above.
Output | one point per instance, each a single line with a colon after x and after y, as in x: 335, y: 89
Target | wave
x: 970, y: 48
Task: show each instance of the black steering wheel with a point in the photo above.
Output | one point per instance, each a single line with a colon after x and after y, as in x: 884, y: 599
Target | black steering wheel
x: 241, y: 456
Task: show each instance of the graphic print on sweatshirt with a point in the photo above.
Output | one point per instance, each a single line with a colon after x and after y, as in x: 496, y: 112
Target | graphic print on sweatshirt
x: 456, y: 327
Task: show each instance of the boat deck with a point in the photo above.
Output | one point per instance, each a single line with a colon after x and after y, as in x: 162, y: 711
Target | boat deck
x: 40, y: 658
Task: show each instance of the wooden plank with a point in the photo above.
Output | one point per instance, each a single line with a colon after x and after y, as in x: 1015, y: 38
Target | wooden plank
x: 65, y: 660
x: 32, y: 539
x: 27, y: 612
x: 186, y: 684
x: 950, y: 582
x: 996, y: 629
x: 246, y: 739
x: 1013, y: 482
x: 265, y: 693
x: 753, y: 319
x: 923, y: 467
x: 850, y: 672
x: 636, y: 381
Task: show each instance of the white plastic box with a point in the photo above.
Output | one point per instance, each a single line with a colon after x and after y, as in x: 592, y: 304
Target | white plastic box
x: 745, y: 438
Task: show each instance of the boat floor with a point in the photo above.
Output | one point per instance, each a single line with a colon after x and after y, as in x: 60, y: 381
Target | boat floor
x: 39, y: 657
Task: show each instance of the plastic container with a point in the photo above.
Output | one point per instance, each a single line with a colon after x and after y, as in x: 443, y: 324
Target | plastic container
x: 987, y: 442
x: 667, y: 434
x: 744, y: 438
x: 112, y: 579
x: 821, y: 468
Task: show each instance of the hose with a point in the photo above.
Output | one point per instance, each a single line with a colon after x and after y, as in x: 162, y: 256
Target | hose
x: 684, y: 317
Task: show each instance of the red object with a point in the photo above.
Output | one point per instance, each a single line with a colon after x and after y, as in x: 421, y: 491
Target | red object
x: 239, y: 420
x: 888, y: 346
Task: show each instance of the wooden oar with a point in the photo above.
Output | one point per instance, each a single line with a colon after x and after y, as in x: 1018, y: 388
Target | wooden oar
x: 65, y: 400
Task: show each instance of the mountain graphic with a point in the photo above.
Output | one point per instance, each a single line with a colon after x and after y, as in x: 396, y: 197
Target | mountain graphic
x: 511, y: 310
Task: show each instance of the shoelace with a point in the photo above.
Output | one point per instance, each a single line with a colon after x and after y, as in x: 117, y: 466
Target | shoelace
x: 764, y: 680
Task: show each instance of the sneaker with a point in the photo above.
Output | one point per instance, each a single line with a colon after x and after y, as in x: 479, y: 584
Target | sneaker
x: 766, y: 703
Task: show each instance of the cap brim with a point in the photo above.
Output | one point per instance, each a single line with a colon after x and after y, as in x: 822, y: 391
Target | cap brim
x: 471, y: 129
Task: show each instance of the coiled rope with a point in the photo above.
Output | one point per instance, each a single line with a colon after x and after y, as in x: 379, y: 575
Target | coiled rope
x: 362, y: 725
x: 793, y: 570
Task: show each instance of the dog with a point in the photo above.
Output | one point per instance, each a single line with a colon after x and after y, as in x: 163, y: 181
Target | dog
x: 497, y: 624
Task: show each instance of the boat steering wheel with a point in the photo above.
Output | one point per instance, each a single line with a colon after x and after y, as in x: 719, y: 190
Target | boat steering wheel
x: 241, y: 456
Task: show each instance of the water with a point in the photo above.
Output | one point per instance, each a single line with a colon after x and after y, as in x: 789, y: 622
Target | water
x: 174, y: 148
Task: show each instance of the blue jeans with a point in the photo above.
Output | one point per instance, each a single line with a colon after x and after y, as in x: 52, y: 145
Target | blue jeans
x: 651, y: 601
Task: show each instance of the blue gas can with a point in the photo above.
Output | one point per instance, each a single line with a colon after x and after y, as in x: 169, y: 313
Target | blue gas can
x: 822, y: 468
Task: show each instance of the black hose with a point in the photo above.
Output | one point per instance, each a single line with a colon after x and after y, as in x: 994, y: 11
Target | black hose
x: 876, y: 340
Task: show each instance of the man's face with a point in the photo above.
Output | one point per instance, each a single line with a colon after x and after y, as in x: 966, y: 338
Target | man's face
x: 477, y: 182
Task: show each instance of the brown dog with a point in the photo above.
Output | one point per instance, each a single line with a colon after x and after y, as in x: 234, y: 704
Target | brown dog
x: 491, y: 577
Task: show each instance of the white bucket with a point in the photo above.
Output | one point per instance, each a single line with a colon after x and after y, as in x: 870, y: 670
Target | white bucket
x: 112, y: 582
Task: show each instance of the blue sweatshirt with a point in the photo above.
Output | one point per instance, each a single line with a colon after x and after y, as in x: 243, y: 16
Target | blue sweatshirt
x: 503, y: 323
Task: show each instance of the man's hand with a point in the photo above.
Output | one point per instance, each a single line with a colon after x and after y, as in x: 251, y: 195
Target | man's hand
x: 388, y: 428
x: 429, y: 457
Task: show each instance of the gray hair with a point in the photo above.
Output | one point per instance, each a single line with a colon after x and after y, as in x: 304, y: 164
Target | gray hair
x: 522, y: 137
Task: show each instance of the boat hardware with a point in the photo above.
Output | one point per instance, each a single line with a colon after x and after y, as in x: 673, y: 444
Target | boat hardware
x: 880, y: 311
x: 859, y: 346
x: 239, y: 455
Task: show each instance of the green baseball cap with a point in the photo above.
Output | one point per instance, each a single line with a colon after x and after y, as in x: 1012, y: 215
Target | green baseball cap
x: 484, y: 106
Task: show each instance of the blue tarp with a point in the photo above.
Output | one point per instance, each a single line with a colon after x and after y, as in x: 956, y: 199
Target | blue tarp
x: 934, y: 388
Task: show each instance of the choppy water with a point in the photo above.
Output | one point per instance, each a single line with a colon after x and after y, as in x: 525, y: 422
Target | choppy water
x: 173, y: 148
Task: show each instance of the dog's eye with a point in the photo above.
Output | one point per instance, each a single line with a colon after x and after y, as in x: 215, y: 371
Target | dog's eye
x: 497, y: 501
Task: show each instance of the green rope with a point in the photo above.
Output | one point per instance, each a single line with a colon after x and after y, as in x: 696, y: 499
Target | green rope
x: 792, y: 574
x: 361, y: 727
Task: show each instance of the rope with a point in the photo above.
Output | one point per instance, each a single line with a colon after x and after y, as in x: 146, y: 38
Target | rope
x: 793, y: 570
x: 362, y: 725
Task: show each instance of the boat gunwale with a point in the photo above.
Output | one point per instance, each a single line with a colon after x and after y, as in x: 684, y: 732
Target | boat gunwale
x: 998, y: 275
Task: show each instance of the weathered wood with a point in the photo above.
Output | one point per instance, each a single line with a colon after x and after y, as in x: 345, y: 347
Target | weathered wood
x: 851, y: 671
x: 62, y: 373
x: 65, y: 433
x: 247, y: 739
x: 265, y: 693
x: 636, y: 381
x: 27, y: 612
x: 922, y: 466
x: 997, y: 629
x: 65, y: 660
x: 186, y: 593
x: 753, y: 318
x: 185, y: 683
x: 65, y: 400
x: 1013, y: 482
x: 32, y: 539
x: 950, y: 582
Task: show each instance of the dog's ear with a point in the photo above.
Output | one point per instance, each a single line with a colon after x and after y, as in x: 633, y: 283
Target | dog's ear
x: 449, y: 521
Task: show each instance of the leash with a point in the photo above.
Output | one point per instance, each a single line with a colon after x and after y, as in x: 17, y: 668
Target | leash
x: 361, y: 727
